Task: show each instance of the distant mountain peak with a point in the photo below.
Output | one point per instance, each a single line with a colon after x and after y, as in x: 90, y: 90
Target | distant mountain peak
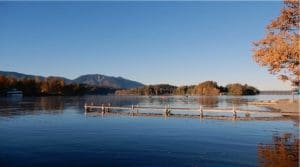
x: 107, y: 81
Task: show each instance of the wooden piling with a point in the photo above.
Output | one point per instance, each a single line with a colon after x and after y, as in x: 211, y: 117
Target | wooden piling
x: 166, y: 110
x: 102, y: 108
x: 234, y: 111
x: 137, y: 110
x: 201, y: 111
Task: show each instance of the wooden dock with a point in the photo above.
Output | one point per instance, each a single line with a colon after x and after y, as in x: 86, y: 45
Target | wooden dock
x: 167, y: 110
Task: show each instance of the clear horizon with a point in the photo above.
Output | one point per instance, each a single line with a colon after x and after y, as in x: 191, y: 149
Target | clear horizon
x: 179, y: 43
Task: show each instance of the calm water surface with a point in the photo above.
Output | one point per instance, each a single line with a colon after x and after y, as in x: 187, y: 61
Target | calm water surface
x: 55, y: 131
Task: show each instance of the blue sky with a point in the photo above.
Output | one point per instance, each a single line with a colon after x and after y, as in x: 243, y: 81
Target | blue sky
x: 151, y: 42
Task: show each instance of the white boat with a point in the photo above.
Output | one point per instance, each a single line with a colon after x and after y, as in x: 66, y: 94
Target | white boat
x: 14, y: 93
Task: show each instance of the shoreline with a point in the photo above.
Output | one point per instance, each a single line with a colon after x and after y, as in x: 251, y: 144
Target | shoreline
x: 284, y: 106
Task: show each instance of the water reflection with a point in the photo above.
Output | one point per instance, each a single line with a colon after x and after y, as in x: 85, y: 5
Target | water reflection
x: 114, y: 100
x: 52, y: 105
x: 55, y: 105
x: 236, y: 101
x: 208, y: 101
x: 282, y: 152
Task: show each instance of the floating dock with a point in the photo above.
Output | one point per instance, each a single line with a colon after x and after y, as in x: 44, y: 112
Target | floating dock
x: 167, y: 111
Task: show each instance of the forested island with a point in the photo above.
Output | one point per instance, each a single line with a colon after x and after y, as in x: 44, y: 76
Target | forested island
x: 207, y: 88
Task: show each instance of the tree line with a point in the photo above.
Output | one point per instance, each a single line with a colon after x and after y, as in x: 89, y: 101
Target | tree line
x: 49, y: 86
x: 58, y: 87
x: 207, y: 88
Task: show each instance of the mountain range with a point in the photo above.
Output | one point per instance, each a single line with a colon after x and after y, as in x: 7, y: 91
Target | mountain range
x: 89, y: 79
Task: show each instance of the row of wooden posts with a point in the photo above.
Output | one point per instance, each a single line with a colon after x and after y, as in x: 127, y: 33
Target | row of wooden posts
x: 135, y: 109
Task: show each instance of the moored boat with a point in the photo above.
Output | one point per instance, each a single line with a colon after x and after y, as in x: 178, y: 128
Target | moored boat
x: 14, y: 93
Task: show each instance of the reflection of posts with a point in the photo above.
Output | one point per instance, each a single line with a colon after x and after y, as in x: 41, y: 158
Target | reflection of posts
x: 85, y: 106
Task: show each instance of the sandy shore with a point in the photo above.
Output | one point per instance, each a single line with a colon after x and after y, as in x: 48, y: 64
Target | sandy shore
x: 285, y: 106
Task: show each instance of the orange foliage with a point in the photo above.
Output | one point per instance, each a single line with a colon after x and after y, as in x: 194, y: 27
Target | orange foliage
x: 284, y: 151
x: 279, y: 49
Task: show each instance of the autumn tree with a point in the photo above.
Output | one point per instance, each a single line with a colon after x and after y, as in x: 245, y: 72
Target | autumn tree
x: 207, y: 88
x: 235, y: 89
x: 55, y: 85
x: 181, y: 90
x: 279, y: 49
x: 4, y: 83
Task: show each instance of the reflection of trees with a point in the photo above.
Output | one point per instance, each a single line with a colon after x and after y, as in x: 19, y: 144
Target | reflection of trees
x: 114, y: 100
x: 31, y: 105
x: 209, y: 101
x: 50, y: 103
x: 236, y: 101
x: 282, y: 152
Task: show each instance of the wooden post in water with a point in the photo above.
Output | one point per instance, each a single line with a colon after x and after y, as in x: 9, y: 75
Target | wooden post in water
x: 102, y: 108
x: 201, y: 112
x: 132, y: 110
x: 108, y: 108
x: 166, y: 111
x: 86, y: 108
x: 234, y: 111
x: 137, y: 108
x: 247, y: 115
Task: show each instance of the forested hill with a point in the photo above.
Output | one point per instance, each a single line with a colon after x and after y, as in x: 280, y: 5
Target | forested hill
x: 90, y: 79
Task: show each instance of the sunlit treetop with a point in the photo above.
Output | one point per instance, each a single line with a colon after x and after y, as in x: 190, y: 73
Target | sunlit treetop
x: 279, y: 49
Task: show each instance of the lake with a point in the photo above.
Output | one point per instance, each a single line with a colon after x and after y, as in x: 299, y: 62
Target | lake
x: 56, y: 131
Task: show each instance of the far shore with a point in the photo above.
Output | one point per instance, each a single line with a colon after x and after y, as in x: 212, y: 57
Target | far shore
x: 285, y: 106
